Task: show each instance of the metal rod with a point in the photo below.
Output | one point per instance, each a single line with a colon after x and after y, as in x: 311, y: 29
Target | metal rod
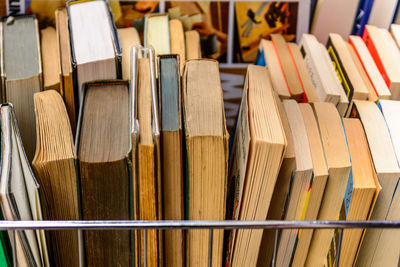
x: 145, y: 247
x: 339, y: 248
x: 170, y: 224
x: 273, y: 264
x: 210, y: 247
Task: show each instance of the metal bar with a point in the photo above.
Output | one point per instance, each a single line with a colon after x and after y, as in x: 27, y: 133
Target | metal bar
x: 273, y: 264
x: 145, y: 247
x: 339, y: 248
x: 210, y: 247
x: 170, y: 224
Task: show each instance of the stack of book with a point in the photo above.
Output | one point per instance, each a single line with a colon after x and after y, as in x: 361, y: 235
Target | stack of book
x: 96, y: 127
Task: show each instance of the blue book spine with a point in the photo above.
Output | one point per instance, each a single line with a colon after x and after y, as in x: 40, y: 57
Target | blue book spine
x: 260, y: 59
x: 362, y: 16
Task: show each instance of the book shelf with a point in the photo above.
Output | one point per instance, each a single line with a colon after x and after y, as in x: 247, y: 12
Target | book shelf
x: 302, y: 25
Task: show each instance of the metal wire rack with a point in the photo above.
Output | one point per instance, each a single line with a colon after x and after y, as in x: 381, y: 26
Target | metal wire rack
x: 187, y: 225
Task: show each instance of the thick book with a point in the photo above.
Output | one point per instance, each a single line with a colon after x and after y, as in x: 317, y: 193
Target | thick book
x: 129, y: 37
x: 54, y: 164
x: 67, y: 90
x: 345, y: 68
x: 172, y: 164
x: 362, y: 188
x: 278, y: 200
x: 370, y: 68
x: 326, y: 89
x: 19, y: 193
x: 381, y: 247
x: 20, y: 43
x: 177, y: 41
x: 102, y: 148
x: 378, y: 48
x: 288, y: 66
x: 300, y: 182
x: 50, y: 59
x: 95, y: 47
x: 206, y: 140
x: 338, y: 159
x: 259, y: 144
x: 279, y: 84
x: 317, y: 187
x: 382, y: 13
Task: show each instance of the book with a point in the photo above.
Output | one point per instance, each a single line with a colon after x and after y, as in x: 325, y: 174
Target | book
x: 177, y: 40
x: 382, y: 13
x: 95, y: 47
x: 380, y: 87
x: 310, y: 94
x: 192, y: 45
x: 300, y: 182
x: 54, y: 164
x: 50, y: 59
x: 378, y: 247
x: 156, y: 33
x: 362, y: 188
x: 337, y: 158
x: 197, y: 140
x: 259, y: 133
x: 362, y: 16
x: 67, y: 76
x: 19, y: 193
x: 278, y: 200
x: 172, y: 164
x: 395, y: 31
x: 148, y: 163
x: 371, y: 91
x: 318, y: 69
x: 129, y: 37
x: 333, y: 77
x: 378, y: 48
x: 347, y: 71
x: 326, y: 20
x: 317, y: 187
x: 102, y: 149
x: 275, y: 71
x: 206, y: 151
x: 288, y: 66
x: 20, y: 42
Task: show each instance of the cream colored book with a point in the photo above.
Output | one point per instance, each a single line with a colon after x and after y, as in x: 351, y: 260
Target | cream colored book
x: 382, y: 247
x: 362, y: 189
x: 206, y: 140
x: 274, y: 69
x: 299, y: 184
x: 156, y: 33
x: 317, y: 188
x: 129, y: 37
x: 260, y: 145
x: 50, y: 59
x: 338, y: 159
x: 192, y: 45
x: 177, y: 40
x: 318, y: 69
x: 395, y: 31
x: 343, y: 103
x: 277, y: 206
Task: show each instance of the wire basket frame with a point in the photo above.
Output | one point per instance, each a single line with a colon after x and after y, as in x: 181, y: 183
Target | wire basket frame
x: 277, y: 225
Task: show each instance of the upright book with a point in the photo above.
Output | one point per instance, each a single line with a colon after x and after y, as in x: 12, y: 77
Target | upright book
x: 380, y: 247
x: 156, y: 33
x: 338, y: 160
x: 20, y: 44
x: 177, y: 41
x: 257, y: 156
x: 50, y: 59
x: 206, y: 149
x: 102, y: 148
x: 19, y: 193
x: 54, y: 163
x: 129, y: 37
x: 96, y: 52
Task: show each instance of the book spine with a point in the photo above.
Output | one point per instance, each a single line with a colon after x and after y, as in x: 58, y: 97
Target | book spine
x: 340, y: 70
x: 364, y: 10
x: 374, y: 53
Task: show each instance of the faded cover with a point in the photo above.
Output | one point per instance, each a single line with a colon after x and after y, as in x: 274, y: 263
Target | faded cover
x: 105, y: 238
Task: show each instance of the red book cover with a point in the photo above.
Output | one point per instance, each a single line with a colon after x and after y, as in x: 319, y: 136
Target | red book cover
x: 374, y: 53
